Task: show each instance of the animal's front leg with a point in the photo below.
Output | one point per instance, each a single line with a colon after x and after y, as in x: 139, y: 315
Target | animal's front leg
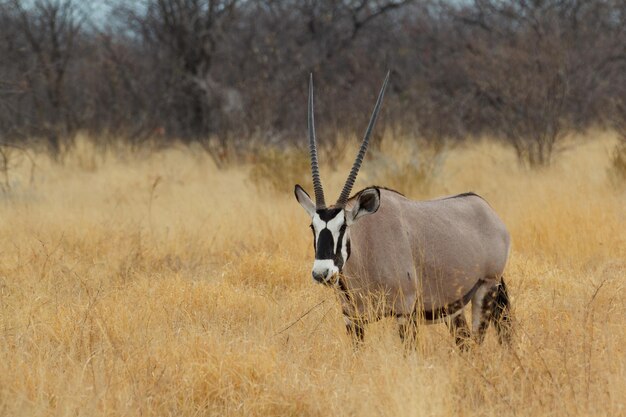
x: 407, y: 327
x: 355, y: 329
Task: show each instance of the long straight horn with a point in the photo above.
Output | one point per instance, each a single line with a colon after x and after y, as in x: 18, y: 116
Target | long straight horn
x: 317, y: 183
x: 347, y: 188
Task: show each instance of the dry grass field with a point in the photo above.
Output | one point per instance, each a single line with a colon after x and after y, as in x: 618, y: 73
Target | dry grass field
x: 154, y: 284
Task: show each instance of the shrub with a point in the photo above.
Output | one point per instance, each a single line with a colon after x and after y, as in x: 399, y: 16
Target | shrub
x: 278, y: 170
x: 406, y: 166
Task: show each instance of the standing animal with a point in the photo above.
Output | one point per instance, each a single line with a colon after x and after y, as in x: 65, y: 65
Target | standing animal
x: 418, y: 261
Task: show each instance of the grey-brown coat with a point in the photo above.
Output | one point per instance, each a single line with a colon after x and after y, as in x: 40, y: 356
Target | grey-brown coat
x: 415, y: 260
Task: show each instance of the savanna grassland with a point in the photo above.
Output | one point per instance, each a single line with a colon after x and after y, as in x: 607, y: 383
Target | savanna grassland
x: 146, y: 284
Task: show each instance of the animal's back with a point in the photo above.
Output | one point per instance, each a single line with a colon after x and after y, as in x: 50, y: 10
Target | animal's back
x: 432, y: 252
x: 462, y: 231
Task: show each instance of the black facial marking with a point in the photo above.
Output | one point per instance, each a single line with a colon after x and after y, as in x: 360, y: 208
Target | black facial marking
x: 338, y: 257
x: 313, y: 230
x: 325, y: 245
x: 328, y: 214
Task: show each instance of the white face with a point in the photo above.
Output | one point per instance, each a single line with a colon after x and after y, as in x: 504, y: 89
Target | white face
x: 331, y: 244
x: 331, y: 237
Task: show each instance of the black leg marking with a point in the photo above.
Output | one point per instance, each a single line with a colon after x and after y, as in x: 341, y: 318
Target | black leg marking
x: 344, y: 289
x: 486, y: 313
x: 356, y: 332
x: 501, y: 316
x: 496, y: 309
x: 442, y: 312
x: 461, y: 331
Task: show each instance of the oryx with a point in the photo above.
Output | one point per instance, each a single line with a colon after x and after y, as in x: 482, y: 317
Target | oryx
x: 416, y: 260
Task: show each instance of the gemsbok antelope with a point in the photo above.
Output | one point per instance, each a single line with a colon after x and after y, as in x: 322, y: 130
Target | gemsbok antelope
x: 418, y: 261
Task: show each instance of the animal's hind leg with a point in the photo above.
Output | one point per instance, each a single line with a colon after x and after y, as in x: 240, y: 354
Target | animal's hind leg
x: 482, y: 307
x: 501, y: 316
x: 460, y: 330
x: 491, y: 304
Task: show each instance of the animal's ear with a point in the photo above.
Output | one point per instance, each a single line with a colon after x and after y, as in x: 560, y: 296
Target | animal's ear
x: 367, y: 203
x: 304, y: 200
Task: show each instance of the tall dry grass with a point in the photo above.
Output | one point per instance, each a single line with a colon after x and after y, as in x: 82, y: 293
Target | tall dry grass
x: 155, y: 284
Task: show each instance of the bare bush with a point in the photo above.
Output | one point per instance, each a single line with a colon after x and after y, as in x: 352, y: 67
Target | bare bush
x: 13, y: 157
x: 617, y: 169
x: 409, y: 166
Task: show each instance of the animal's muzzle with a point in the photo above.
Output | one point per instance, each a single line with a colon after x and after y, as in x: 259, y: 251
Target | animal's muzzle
x: 320, y: 276
x: 324, y: 270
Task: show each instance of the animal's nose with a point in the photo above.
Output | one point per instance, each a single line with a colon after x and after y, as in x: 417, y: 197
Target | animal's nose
x: 320, y: 275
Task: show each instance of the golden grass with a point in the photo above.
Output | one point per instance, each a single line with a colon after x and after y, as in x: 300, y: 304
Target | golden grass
x: 136, y: 284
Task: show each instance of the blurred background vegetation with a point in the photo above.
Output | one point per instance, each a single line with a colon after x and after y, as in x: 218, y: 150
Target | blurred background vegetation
x: 231, y: 75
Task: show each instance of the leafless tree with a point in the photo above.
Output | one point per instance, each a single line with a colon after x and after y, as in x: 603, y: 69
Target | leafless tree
x: 46, y: 32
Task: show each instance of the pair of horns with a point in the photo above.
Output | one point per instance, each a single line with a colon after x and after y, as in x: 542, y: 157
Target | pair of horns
x: 347, y: 188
